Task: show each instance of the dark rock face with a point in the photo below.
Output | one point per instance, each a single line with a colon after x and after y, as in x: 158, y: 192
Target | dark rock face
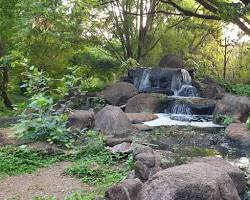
x: 196, y: 105
x: 239, y: 133
x: 113, y: 121
x: 237, y: 107
x: 79, y: 119
x: 126, y: 190
x: 118, y: 93
x: 172, y: 61
x: 191, y: 181
x: 142, y: 103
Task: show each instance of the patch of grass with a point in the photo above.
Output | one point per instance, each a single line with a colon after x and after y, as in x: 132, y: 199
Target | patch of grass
x: 19, y: 160
x: 97, y: 167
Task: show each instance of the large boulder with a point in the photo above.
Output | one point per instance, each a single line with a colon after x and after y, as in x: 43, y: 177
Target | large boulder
x: 210, y: 88
x: 143, y: 102
x: 237, y: 107
x: 239, y: 133
x: 190, y: 181
x: 79, y: 119
x: 141, y: 117
x: 172, y: 61
x: 237, y: 175
x: 113, y: 121
x: 118, y: 93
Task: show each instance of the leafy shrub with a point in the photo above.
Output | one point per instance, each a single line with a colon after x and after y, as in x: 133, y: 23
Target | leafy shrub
x: 236, y: 88
x: 38, y: 122
x: 223, y: 119
x: 227, y: 120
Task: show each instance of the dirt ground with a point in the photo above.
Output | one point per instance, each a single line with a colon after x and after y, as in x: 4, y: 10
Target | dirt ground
x: 46, y: 182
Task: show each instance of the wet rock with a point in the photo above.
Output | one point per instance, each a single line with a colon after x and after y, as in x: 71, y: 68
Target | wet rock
x: 196, y: 105
x: 113, y: 121
x: 126, y: 190
x: 237, y: 107
x: 141, y: 117
x: 143, y: 103
x: 121, y: 148
x: 234, y: 173
x: 190, y: 181
x: 172, y: 61
x: 118, y: 93
x: 239, y: 133
x: 79, y: 119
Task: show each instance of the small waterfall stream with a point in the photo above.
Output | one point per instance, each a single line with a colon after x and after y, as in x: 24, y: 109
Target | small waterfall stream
x: 177, y: 83
x: 177, y: 80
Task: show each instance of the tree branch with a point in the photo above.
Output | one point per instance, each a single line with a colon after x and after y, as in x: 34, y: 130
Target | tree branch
x: 190, y: 13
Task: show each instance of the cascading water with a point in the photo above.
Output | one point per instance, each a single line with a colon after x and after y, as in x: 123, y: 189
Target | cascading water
x: 144, y: 82
x: 180, y: 108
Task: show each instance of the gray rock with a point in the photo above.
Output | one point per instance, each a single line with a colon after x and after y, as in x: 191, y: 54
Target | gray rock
x: 194, y: 181
x: 237, y: 107
x: 239, y: 133
x: 147, y: 159
x: 142, y: 171
x: 121, y: 148
x: 141, y: 117
x: 172, y: 61
x: 112, y: 120
x: 143, y: 103
x: 139, y: 148
x: 125, y: 190
x: 110, y: 141
x: 234, y: 172
x: 118, y: 93
x: 79, y: 119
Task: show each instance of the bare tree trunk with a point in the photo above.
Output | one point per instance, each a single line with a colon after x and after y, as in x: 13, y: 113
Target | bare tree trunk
x: 5, y: 80
x: 225, y: 59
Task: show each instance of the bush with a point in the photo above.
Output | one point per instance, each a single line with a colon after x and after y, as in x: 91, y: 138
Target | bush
x: 38, y: 122
x: 236, y: 88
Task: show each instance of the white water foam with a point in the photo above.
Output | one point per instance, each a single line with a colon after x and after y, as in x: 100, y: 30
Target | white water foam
x: 164, y: 120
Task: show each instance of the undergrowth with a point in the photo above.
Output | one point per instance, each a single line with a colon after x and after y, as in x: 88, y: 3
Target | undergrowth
x: 19, y: 160
x: 236, y: 88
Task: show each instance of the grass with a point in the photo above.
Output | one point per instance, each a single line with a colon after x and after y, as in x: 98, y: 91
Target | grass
x: 92, y: 163
x: 19, y: 160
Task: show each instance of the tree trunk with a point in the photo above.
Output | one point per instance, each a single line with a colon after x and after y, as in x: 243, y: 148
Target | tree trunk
x: 5, y: 80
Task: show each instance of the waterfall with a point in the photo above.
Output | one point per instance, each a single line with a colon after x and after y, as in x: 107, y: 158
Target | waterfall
x: 145, y: 83
x: 187, y: 80
x: 180, y: 108
x: 180, y: 80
